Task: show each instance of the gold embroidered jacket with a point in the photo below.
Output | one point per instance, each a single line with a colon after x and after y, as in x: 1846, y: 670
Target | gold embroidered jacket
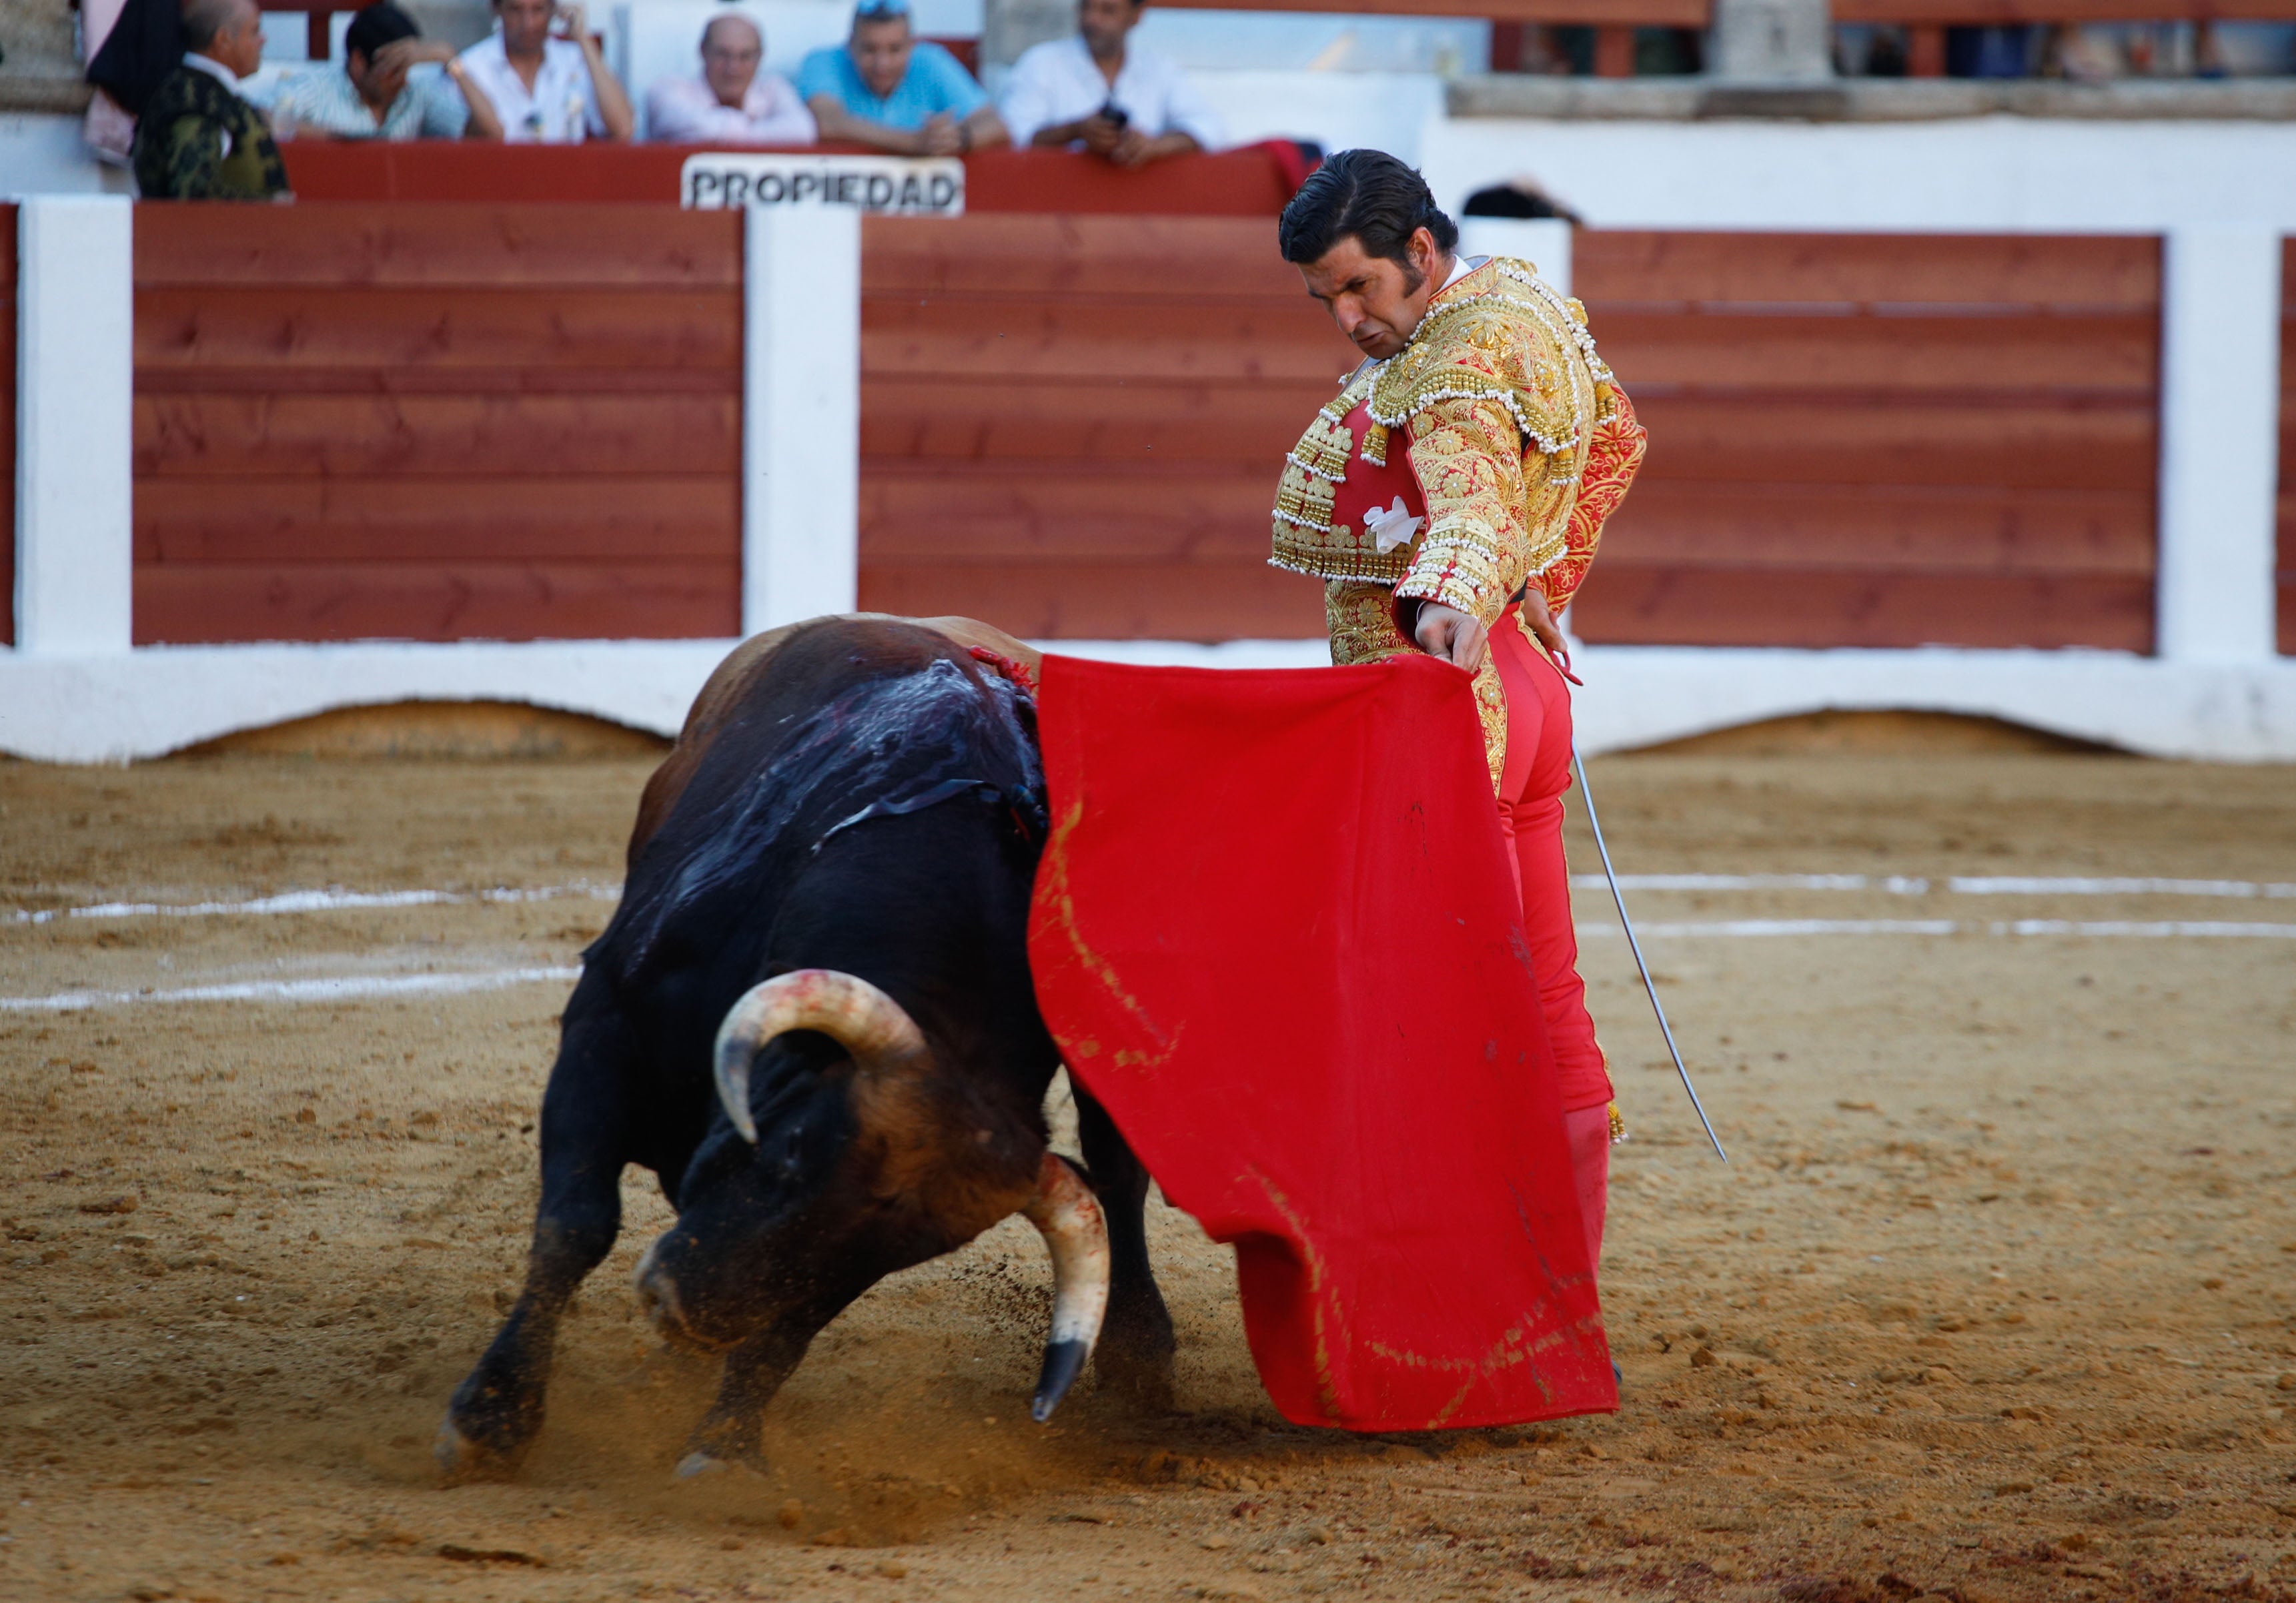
x: 1518, y: 444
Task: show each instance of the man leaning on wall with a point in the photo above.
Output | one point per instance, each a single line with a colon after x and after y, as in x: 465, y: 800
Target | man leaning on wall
x: 198, y: 138
x: 394, y: 83
x: 735, y: 100
x: 543, y: 74
x: 1102, y: 93
x: 886, y: 88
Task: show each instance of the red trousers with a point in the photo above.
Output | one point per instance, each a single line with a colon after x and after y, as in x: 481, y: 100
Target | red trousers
x: 1530, y: 817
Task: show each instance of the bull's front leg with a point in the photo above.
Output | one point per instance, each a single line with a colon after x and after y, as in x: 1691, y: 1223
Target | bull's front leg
x: 498, y: 1407
x: 730, y: 1433
x: 1136, y: 1343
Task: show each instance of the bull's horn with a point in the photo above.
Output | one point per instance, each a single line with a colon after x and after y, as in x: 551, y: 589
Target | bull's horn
x: 1076, y: 1231
x: 864, y: 1020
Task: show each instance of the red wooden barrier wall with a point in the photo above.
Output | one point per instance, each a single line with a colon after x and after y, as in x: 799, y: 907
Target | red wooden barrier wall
x: 436, y: 421
x: 1880, y: 441
x: 2286, y: 588
x: 7, y: 424
x: 1251, y: 182
x: 1071, y: 426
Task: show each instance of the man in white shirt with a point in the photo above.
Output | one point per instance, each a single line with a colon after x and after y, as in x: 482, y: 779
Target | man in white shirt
x: 1095, y: 92
x: 544, y: 89
x: 733, y: 102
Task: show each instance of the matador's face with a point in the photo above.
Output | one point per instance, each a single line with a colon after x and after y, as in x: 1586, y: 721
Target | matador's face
x: 1377, y: 302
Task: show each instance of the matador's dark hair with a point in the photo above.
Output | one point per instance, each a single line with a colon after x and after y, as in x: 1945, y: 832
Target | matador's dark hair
x: 1369, y: 194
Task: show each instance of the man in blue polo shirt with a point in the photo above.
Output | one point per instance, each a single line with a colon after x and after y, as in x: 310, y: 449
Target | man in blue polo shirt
x: 886, y: 88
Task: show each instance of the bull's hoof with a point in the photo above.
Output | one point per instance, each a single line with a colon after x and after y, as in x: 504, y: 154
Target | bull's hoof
x: 462, y: 1460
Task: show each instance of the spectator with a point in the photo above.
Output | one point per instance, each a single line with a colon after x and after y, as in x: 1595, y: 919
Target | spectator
x: 378, y: 94
x: 885, y: 87
x: 733, y: 101
x: 543, y: 89
x: 197, y: 140
x: 1095, y: 92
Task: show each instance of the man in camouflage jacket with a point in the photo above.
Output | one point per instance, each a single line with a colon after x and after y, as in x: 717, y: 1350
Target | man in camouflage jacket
x: 197, y: 140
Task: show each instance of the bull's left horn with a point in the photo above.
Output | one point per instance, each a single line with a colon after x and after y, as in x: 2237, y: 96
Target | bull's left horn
x: 871, y: 1026
x: 1076, y: 1232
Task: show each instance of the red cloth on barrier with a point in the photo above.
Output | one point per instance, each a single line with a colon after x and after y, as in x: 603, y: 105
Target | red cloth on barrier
x: 1275, y: 932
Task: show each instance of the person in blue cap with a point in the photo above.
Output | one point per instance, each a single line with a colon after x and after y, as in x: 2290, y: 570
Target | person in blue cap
x: 886, y: 88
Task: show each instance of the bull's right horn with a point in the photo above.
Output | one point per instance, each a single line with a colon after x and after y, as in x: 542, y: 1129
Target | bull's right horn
x: 871, y: 1026
x: 1076, y: 1231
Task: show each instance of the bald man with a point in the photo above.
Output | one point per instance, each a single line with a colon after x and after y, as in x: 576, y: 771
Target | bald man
x: 197, y: 140
x: 735, y: 101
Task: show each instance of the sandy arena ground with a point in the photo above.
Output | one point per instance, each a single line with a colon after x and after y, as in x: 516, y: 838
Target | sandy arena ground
x: 1998, y: 1301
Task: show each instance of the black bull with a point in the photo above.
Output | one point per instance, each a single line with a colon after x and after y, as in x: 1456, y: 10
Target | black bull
x: 855, y: 807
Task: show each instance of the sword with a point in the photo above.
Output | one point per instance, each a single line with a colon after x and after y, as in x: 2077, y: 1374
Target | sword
x: 1611, y: 874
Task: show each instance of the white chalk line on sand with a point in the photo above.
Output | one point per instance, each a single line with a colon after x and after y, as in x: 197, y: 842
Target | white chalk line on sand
x: 351, y: 988
x: 336, y: 899
x: 331, y: 901
x: 1900, y: 884
x: 371, y: 986
x: 1755, y: 929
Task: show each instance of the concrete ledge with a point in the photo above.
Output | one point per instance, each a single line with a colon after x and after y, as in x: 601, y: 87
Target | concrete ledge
x: 50, y: 94
x: 1869, y: 99
x: 147, y: 702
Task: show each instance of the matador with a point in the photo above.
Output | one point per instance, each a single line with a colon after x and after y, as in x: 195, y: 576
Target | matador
x: 1450, y: 497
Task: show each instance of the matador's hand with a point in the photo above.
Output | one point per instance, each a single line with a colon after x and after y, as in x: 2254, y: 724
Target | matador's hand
x: 1455, y: 637
x: 1543, y: 626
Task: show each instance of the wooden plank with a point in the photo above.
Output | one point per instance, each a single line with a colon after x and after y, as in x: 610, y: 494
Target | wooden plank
x: 1910, y: 528
x: 1247, y: 183
x: 324, y: 244
x: 301, y: 327
x: 2100, y: 352
x: 1985, y: 13
x: 1106, y: 601
x: 1132, y: 257
x: 1050, y: 420
x: 218, y: 603
x: 1614, y: 14
x: 1212, y: 338
x: 1717, y: 438
x: 439, y: 380
x: 2287, y: 604
x: 2093, y: 272
x: 538, y: 436
x: 431, y: 519
x: 1076, y: 511
x: 2012, y: 442
x: 1679, y: 604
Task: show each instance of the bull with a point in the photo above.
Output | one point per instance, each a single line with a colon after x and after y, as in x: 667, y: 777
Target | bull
x: 811, y: 1017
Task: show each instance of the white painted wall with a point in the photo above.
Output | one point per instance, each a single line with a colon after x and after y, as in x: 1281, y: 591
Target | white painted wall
x: 800, y: 413
x: 41, y: 152
x: 2219, y: 440
x: 146, y: 703
x: 75, y: 539
x: 1971, y: 174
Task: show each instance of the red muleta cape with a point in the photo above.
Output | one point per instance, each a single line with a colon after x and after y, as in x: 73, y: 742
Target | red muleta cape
x: 1273, y: 933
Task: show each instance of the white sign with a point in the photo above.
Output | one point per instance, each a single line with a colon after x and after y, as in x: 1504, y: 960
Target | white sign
x: 887, y: 186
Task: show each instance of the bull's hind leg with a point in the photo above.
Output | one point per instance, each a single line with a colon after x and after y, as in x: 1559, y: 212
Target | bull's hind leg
x: 497, y: 1409
x: 1136, y: 1343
